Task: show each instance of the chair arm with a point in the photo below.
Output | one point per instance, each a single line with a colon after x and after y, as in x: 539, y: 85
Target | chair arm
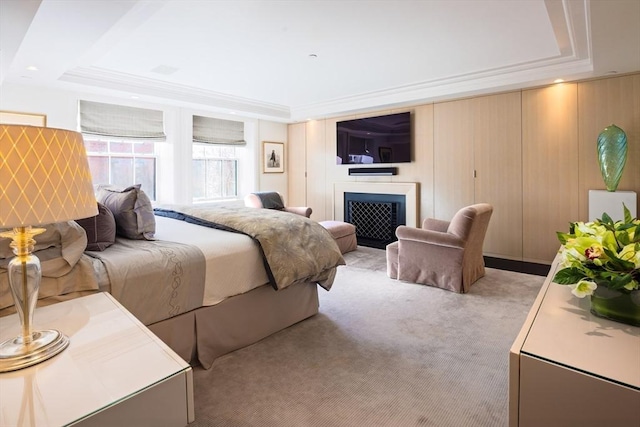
x: 435, y: 224
x: 300, y: 210
x: 420, y: 235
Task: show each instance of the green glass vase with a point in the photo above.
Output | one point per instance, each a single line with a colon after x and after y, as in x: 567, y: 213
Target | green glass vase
x: 612, y: 155
x: 618, y: 305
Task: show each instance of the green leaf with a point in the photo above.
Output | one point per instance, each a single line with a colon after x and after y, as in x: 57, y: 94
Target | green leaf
x: 627, y: 214
x: 568, y: 276
x: 563, y: 237
x: 636, y: 234
x: 616, y: 281
x: 606, y: 219
x: 616, y: 263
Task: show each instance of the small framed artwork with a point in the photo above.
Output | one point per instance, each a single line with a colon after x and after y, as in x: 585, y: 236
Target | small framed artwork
x: 273, y: 157
x: 385, y: 154
x: 16, y: 118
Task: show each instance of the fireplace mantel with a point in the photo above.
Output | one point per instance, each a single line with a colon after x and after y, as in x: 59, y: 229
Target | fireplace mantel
x: 408, y: 189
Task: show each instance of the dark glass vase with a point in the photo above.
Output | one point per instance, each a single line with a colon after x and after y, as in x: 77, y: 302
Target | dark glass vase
x: 618, y: 305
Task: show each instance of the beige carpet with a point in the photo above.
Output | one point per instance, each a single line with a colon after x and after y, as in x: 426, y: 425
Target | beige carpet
x: 379, y: 353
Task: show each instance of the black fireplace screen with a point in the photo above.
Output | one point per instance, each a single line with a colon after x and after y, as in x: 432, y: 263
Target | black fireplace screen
x: 376, y: 217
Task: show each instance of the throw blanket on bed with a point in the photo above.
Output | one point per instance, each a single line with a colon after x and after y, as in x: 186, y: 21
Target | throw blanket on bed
x: 295, y: 249
x: 154, y: 280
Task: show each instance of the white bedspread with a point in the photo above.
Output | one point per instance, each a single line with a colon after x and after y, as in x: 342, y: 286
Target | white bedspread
x: 234, y: 264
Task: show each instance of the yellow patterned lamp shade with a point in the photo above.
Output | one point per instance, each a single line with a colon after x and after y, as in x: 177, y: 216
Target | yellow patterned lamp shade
x: 44, y: 176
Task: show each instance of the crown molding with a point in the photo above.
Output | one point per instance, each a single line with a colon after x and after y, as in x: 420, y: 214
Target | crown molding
x: 519, y: 77
x: 570, y: 22
x: 97, y: 77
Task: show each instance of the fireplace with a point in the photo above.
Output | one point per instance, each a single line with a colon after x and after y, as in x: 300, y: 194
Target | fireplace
x: 376, y: 216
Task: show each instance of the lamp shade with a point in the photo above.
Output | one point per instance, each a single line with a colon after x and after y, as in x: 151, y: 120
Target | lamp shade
x: 44, y: 176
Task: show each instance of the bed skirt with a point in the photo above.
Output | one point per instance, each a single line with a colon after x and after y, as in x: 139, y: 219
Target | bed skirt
x: 204, y: 334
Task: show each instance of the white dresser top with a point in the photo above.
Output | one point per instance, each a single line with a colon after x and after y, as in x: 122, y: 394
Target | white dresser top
x: 111, y: 356
x: 565, y: 332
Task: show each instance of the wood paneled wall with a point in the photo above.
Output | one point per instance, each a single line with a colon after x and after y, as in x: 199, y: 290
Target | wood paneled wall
x: 601, y: 103
x: 549, y: 167
x: 533, y: 153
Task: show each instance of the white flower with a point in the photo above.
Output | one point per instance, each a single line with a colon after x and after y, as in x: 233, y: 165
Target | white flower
x: 570, y: 256
x: 583, y: 288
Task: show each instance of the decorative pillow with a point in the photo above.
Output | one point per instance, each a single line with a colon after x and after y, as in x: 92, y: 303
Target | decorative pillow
x: 131, y: 209
x: 100, y: 229
x: 270, y: 200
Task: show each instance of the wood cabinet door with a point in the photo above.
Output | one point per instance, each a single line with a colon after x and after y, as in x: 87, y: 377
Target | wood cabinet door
x: 549, y: 168
x: 297, y: 165
x: 498, y: 165
x: 453, y: 157
x: 319, y: 153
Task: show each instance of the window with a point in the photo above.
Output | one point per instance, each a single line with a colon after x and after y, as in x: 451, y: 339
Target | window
x: 120, y: 143
x: 218, y: 146
x: 215, y: 171
x: 122, y: 163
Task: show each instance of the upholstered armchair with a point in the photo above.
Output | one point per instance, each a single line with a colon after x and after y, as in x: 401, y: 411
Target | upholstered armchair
x: 273, y: 200
x: 445, y: 254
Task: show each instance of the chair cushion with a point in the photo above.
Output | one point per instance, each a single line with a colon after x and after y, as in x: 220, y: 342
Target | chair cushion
x: 339, y: 229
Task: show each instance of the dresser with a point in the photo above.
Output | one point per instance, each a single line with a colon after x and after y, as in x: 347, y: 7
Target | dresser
x: 568, y: 367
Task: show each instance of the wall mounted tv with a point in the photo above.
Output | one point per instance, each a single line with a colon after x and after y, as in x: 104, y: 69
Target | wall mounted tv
x: 370, y: 140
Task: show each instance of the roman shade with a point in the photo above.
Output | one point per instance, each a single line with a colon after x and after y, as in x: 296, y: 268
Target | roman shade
x: 218, y: 131
x: 120, y: 121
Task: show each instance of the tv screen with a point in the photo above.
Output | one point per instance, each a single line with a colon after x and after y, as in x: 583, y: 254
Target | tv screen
x: 381, y: 139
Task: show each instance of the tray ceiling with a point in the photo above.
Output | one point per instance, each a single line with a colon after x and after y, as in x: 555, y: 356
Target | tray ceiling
x: 293, y: 60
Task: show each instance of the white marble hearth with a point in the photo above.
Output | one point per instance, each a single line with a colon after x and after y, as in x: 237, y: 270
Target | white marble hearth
x: 408, y: 189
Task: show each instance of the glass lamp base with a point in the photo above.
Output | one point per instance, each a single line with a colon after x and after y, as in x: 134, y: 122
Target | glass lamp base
x: 15, y: 354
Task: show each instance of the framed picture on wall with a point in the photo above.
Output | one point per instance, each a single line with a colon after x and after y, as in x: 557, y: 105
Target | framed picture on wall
x: 16, y: 118
x: 273, y: 157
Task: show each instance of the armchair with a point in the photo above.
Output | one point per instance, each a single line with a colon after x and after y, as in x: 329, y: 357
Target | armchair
x: 444, y: 254
x: 273, y: 200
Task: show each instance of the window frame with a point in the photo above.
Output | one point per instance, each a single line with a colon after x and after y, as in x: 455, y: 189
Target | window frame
x: 237, y: 159
x: 109, y: 155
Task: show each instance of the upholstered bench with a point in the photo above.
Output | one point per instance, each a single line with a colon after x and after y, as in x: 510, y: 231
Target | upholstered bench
x: 343, y: 233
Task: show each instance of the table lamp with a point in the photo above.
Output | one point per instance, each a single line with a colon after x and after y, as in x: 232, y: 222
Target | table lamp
x: 44, y: 178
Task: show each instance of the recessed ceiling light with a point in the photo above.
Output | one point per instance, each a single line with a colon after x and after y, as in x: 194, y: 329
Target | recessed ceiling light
x: 32, y: 68
x: 313, y: 55
x: 558, y: 81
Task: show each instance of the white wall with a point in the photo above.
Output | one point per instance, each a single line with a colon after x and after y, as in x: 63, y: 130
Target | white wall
x: 272, y: 132
x: 174, y: 176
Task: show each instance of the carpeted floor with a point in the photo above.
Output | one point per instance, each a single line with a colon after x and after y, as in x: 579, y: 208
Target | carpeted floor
x: 380, y: 353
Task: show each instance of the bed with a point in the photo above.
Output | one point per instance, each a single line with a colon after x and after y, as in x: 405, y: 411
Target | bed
x: 206, y: 286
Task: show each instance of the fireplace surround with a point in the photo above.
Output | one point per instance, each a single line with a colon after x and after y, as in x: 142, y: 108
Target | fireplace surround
x: 375, y: 216
x: 379, y: 208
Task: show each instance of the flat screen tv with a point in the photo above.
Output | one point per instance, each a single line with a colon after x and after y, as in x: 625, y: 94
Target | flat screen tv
x: 370, y: 140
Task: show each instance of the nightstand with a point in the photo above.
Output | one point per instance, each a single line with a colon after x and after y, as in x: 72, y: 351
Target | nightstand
x: 114, y: 372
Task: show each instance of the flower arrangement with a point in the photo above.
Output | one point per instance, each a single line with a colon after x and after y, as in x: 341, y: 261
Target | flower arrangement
x: 600, y: 253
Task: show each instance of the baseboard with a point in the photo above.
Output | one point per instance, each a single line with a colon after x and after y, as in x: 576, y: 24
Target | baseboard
x: 517, y: 266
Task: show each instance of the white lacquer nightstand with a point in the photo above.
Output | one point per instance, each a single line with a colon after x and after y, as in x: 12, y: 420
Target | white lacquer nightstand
x: 114, y: 372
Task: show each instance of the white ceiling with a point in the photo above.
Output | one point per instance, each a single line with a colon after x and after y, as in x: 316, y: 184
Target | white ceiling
x: 255, y: 57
